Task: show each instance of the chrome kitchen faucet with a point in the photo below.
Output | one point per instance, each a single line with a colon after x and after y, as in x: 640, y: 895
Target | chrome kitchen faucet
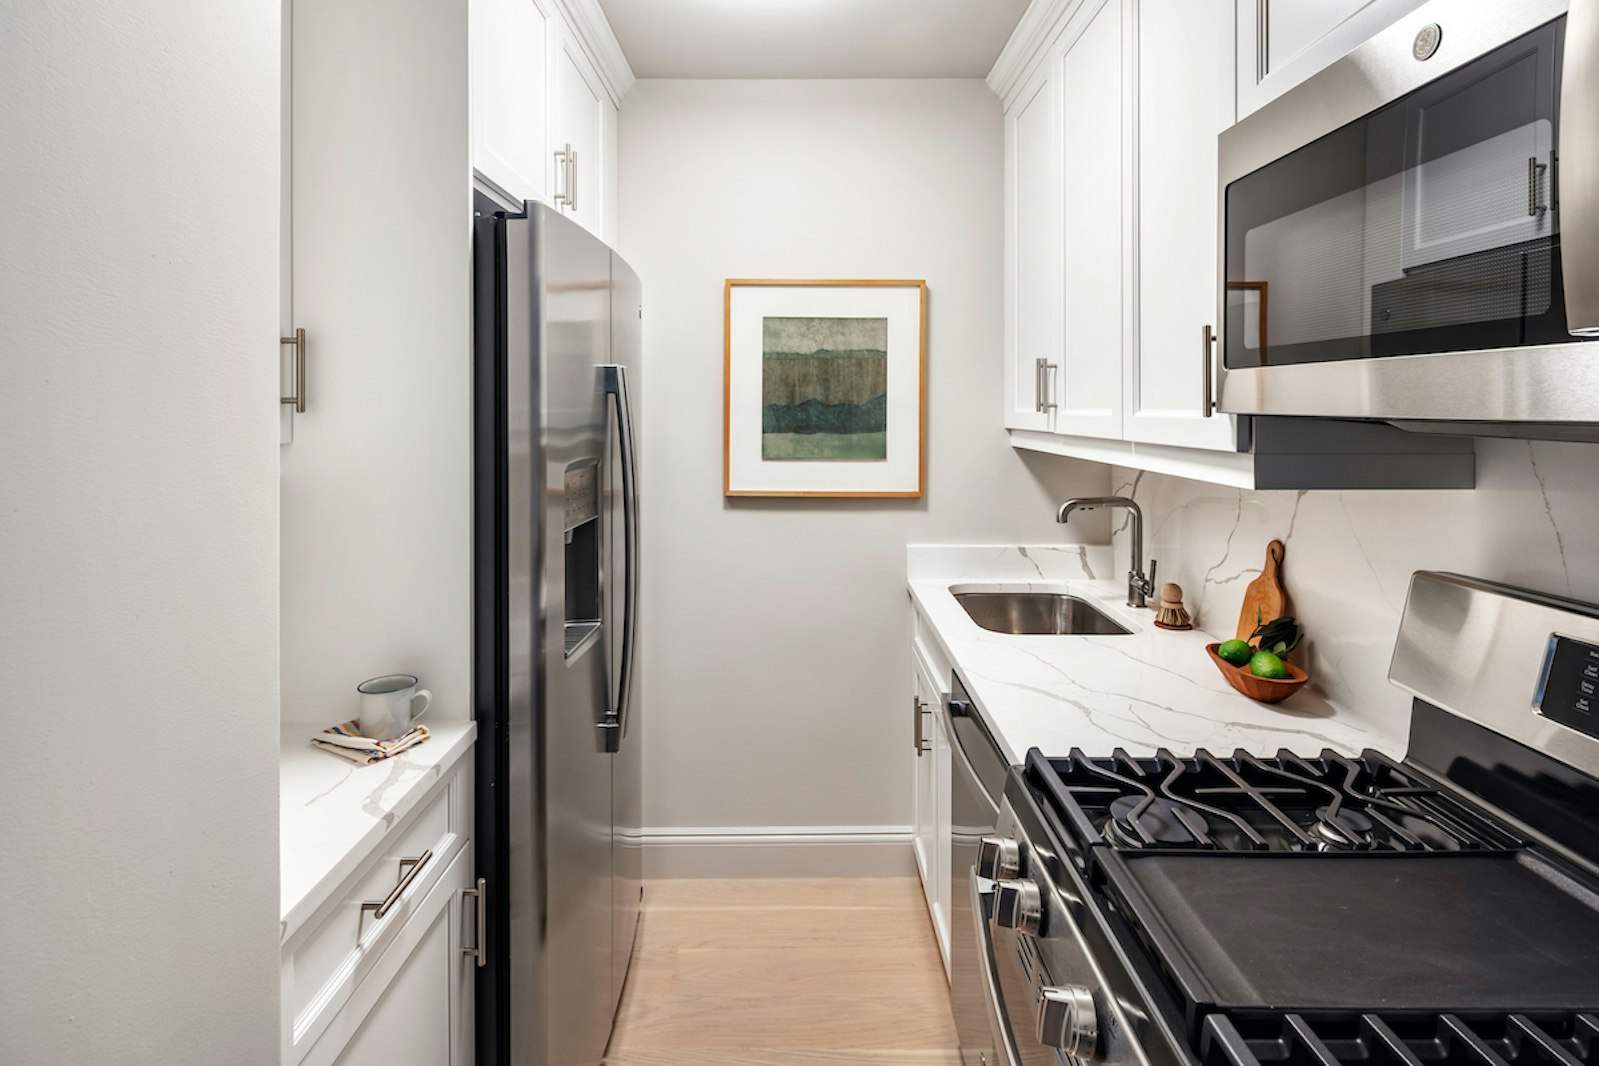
x: 1138, y: 585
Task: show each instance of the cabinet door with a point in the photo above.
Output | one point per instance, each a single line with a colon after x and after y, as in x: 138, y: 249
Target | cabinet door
x: 924, y: 708
x: 378, y: 131
x: 582, y: 117
x: 510, y: 61
x: 418, y: 1006
x: 1089, y: 392
x: 411, y: 1023
x: 1283, y: 42
x: 1032, y: 251
x: 1184, y: 100
x: 942, y: 901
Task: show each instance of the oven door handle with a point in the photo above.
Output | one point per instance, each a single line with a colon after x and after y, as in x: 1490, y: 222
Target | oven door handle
x: 1004, y: 1042
x: 1579, y: 168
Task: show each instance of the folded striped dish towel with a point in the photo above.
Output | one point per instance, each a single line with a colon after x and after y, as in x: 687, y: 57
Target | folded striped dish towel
x: 345, y: 740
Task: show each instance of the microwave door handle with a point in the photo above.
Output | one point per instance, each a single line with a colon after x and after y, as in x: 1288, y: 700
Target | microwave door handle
x: 1579, y: 168
x: 1004, y: 1041
x: 616, y: 390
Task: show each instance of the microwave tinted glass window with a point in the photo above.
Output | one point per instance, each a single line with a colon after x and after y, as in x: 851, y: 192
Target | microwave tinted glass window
x: 1430, y: 225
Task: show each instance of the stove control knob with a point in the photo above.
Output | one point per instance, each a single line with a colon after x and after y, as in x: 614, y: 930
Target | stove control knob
x: 998, y: 858
x: 1017, y: 905
x: 1066, y: 1020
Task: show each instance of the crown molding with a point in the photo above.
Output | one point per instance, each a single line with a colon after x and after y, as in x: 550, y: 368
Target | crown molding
x: 1040, y: 24
x: 589, y: 24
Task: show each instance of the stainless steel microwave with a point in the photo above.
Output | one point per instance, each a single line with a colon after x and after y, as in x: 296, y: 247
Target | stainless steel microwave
x: 1412, y: 235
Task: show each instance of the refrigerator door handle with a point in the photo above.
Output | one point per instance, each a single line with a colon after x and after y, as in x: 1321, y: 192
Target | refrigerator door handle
x: 616, y: 388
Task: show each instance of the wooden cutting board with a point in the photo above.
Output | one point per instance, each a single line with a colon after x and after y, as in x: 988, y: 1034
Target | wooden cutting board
x: 1264, y: 594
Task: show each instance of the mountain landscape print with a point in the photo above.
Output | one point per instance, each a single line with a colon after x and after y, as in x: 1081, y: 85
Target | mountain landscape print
x: 824, y: 389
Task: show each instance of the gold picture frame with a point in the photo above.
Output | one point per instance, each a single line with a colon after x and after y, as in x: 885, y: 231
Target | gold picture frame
x: 827, y: 445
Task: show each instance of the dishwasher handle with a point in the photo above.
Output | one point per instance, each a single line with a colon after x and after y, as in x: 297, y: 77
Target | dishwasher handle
x: 963, y: 762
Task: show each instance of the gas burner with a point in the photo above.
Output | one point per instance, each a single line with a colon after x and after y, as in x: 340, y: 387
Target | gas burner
x: 1246, y: 802
x: 1162, y: 823
x: 1342, y: 828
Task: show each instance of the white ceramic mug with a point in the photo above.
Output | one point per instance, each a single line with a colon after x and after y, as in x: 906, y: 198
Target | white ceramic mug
x: 388, y: 705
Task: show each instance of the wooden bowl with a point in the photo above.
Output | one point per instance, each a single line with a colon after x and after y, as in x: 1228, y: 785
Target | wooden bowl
x: 1264, y: 689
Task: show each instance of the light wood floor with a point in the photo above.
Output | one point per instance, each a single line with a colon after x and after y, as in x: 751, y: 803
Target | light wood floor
x: 785, y: 973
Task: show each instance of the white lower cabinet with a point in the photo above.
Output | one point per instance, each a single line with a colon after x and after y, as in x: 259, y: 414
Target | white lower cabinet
x: 924, y: 831
x: 943, y: 900
x: 931, y: 772
x: 422, y: 1011
x: 381, y: 972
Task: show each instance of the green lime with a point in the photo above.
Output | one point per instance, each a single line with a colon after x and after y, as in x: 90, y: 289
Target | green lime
x: 1236, y: 652
x: 1265, y: 664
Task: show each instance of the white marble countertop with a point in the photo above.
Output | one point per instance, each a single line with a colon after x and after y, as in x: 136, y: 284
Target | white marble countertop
x: 333, y: 813
x: 1149, y: 689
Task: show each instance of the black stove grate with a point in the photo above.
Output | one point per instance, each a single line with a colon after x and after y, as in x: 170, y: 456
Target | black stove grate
x: 1418, y: 1040
x: 1330, y: 803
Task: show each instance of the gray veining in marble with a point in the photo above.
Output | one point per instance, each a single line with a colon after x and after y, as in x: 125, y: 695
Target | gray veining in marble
x: 1532, y: 521
x: 1149, y: 689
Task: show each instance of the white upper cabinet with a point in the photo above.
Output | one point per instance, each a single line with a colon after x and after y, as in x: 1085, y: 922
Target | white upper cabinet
x: 1112, y: 229
x: 1090, y: 299
x: 582, y: 137
x: 544, y: 108
x: 1185, y: 100
x: 1283, y: 42
x: 510, y: 74
x: 1032, y: 253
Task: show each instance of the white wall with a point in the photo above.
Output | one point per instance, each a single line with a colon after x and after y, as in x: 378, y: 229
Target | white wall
x: 775, y: 634
x: 139, y: 531
x: 1533, y: 521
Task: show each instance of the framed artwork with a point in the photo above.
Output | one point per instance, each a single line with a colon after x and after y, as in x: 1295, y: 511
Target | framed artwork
x: 823, y: 388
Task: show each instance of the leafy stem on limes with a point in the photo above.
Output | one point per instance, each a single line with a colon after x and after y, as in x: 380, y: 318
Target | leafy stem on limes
x: 1280, y: 636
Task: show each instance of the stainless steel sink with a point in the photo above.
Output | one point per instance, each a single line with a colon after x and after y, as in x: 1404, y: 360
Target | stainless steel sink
x: 1038, y: 613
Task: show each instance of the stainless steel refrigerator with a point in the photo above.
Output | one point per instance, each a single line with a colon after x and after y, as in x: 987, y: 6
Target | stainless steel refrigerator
x: 557, y: 345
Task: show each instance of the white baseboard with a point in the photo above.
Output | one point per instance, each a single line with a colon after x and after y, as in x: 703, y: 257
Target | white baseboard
x: 778, y: 851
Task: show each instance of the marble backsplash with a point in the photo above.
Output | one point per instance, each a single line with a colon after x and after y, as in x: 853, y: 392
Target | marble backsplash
x: 1533, y: 521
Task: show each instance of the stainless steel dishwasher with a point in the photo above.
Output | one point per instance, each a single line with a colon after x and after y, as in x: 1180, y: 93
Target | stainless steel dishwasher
x: 977, y: 776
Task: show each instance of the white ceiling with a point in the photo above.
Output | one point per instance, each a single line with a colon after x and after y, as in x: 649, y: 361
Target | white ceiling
x: 812, y: 38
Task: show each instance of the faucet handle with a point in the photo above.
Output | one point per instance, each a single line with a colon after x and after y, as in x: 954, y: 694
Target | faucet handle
x: 1149, y: 582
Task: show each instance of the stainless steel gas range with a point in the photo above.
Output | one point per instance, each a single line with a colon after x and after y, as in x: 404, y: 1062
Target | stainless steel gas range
x: 1203, y: 909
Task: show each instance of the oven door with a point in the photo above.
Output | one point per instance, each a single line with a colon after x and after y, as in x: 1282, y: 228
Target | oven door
x: 1413, y: 234
x: 995, y: 980
x: 1059, y: 994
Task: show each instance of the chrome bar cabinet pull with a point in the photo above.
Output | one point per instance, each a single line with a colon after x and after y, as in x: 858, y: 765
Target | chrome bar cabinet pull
x: 563, y: 194
x: 1042, y: 369
x: 297, y: 397
x: 1207, y: 342
x: 480, y: 903
x: 918, y: 709
x: 409, y: 868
